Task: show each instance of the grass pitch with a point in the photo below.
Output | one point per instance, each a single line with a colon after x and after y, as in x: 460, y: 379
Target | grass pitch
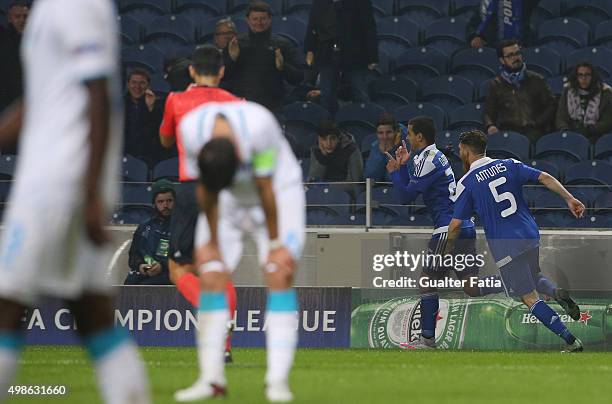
x: 351, y: 376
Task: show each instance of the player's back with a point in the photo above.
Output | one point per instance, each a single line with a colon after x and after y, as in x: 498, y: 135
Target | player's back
x: 495, y: 188
x: 65, y: 44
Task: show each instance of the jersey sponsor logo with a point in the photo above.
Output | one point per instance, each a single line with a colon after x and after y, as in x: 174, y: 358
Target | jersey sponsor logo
x: 529, y: 318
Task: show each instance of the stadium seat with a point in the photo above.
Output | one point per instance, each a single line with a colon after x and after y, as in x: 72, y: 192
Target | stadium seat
x: 169, y: 31
x: 304, y: 144
x: 421, y: 63
x: 320, y: 216
x: 449, y: 92
x: 399, y: 85
x: 136, y: 194
x: 544, y: 11
x: 423, y: 11
x: 147, y: 57
x: 305, y: 165
x: 508, y: 145
x: 291, y: 28
x: 383, y: 7
x: 299, y: 9
x: 389, y: 101
x: 201, y: 10
x: 556, y: 84
x: 328, y: 195
x: 541, y: 200
x: 448, y: 139
x: 592, y: 172
x: 544, y: 61
x: 483, y: 90
x: 303, y: 118
x: 562, y: 148
x: 603, y: 34
x: 414, y: 219
x: 446, y: 34
x: 131, y: 30
x: 464, y: 8
x: 603, y: 204
x: 166, y: 169
x: 563, y: 34
x: 404, y: 114
x: 132, y: 214
x: 7, y: 166
x: 546, y: 166
x: 384, y: 195
x: 552, y: 219
x: 599, y: 56
x: 359, y: 119
x: 145, y: 10
x: 603, y: 148
x: 589, y: 11
x: 159, y: 85
x: 240, y: 6
x: 397, y: 29
x: 134, y: 169
x: 466, y: 116
x: 477, y: 65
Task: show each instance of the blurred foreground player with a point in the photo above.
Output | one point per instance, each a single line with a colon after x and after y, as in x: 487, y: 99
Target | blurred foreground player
x: 493, y: 189
x: 54, y: 243
x: 206, y: 70
x: 250, y: 182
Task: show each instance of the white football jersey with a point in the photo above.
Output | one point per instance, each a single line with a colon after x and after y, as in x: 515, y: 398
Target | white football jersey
x: 66, y: 43
x: 263, y: 149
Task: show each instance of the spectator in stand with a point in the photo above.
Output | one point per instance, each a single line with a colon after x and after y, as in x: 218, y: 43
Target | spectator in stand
x: 518, y: 99
x: 258, y: 63
x: 490, y: 26
x: 336, y: 156
x: 341, y: 39
x: 143, y: 115
x: 586, y: 103
x: 225, y: 32
x: 389, y: 134
x: 148, y: 257
x: 11, y: 86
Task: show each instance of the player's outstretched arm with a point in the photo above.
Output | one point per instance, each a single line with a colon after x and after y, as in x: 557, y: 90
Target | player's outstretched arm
x: 574, y: 205
x: 99, y: 117
x: 10, y: 123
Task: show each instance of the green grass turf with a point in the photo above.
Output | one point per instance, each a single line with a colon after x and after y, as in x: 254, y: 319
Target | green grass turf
x: 353, y: 376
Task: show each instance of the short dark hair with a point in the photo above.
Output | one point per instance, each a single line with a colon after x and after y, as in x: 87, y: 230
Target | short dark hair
x: 504, y: 44
x: 475, y: 139
x: 327, y: 128
x: 177, y: 73
x: 137, y: 71
x: 207, y: 60
x: 18, y: 3
x: 259, y: 6
x: 425, y: 126
x: 387, y: 118
x: 218, y: 163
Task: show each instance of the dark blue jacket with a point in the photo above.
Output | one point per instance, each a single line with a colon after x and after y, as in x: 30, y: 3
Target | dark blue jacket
x: 151, y: 241
x: 376, y: 164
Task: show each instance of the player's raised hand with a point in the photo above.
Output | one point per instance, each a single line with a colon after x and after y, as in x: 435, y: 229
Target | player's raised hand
x: 234, y: 49
x: 392, y: 163
x: 402, y: 154
x: 94, y: 222
x: 279, y: 60
x: 150, y: 98
x: 576, y: 207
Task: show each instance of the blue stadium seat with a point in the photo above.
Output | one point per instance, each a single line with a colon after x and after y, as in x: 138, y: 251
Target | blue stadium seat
x: 603, y: 148
x: 476, y: 65
x: 446, y: 34
x: 541, y: 200
x: 147, y: 57
x: 603, y: 34
x: 466, y: 116
x: 563, y: 34
x: 169, y: 31
x: 562, y: 148
x: 7, y: 166
x: 552, y: 219
x: 359, y: 119
x: 132, y: 214
x: 205, y: 30
x: 546, y: 166
x: 397, y: 29
x: 421, y: 63
x: 599, y: 56
x: 556, y: 84
x: 414, y: 219
x: 389, y: 101
x: 320, y: 216
x: 289, y: 27
x: 305, y: 165
x: 589, y: 11
x: 166, y: 169
x: 137, y: 194
x: 545, y: 10
x: 200, y: 10
x: 159, y: 85
x: 399, y: 85
x: 145, y: 10
x: 603, y: 204
x: 590, y: 222
x: 384, y: 195
x: 449, y: 92
x: 508, y: 145
x: 404, y: 114
x: 366, y: 145
x: 592, y: 172
x: 448, y: 139
x: 302, y: 118
x: 464, y: 8
x: 131, y: 30
x: 392, y: 48
x: 383, y: 7
x: 544, y: 61
x: 134, y: 169
x: 384, y: 62
x: 330, y: 196
x: 423, y: 10
x: 305, y: 142
x: 298, y: 9
x: 483, y: 90
x: 240, y: 6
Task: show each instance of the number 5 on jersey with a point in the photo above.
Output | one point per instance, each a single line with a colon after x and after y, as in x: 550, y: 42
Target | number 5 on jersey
x: 505, y: 196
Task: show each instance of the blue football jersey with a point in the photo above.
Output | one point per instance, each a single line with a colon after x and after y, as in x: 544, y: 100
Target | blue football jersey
x: 493, y: 189
x: 432, y: 176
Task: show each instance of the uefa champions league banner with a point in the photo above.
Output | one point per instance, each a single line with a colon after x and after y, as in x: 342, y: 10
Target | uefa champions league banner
x: 159, y: 316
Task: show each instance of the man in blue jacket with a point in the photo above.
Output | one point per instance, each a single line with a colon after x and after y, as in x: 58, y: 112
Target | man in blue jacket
x: 148, y: 257
x: 389, y: 136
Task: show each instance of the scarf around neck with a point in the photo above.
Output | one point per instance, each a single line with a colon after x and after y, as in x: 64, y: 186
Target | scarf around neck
x: 513, y: 78
x: 586, y: 116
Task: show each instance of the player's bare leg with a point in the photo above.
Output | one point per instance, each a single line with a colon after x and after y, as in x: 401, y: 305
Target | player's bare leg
x: 11, y: 342
x: 281, y: 331
x: 213, y: 316
x: 119, y: 370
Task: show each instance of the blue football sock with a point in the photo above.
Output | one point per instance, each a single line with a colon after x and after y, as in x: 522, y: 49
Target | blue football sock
x: 552, y: 321
x: 487, y: 290
x: 544, y: 285
x: 429, y: 311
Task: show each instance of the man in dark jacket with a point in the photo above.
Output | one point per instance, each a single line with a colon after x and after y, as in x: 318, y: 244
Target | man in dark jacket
x: 148, y: 257
x: 518, y: 99
x: 341, y: 37
x: 10, y: 61
x: 258, y: 63
x: 499, y: 20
